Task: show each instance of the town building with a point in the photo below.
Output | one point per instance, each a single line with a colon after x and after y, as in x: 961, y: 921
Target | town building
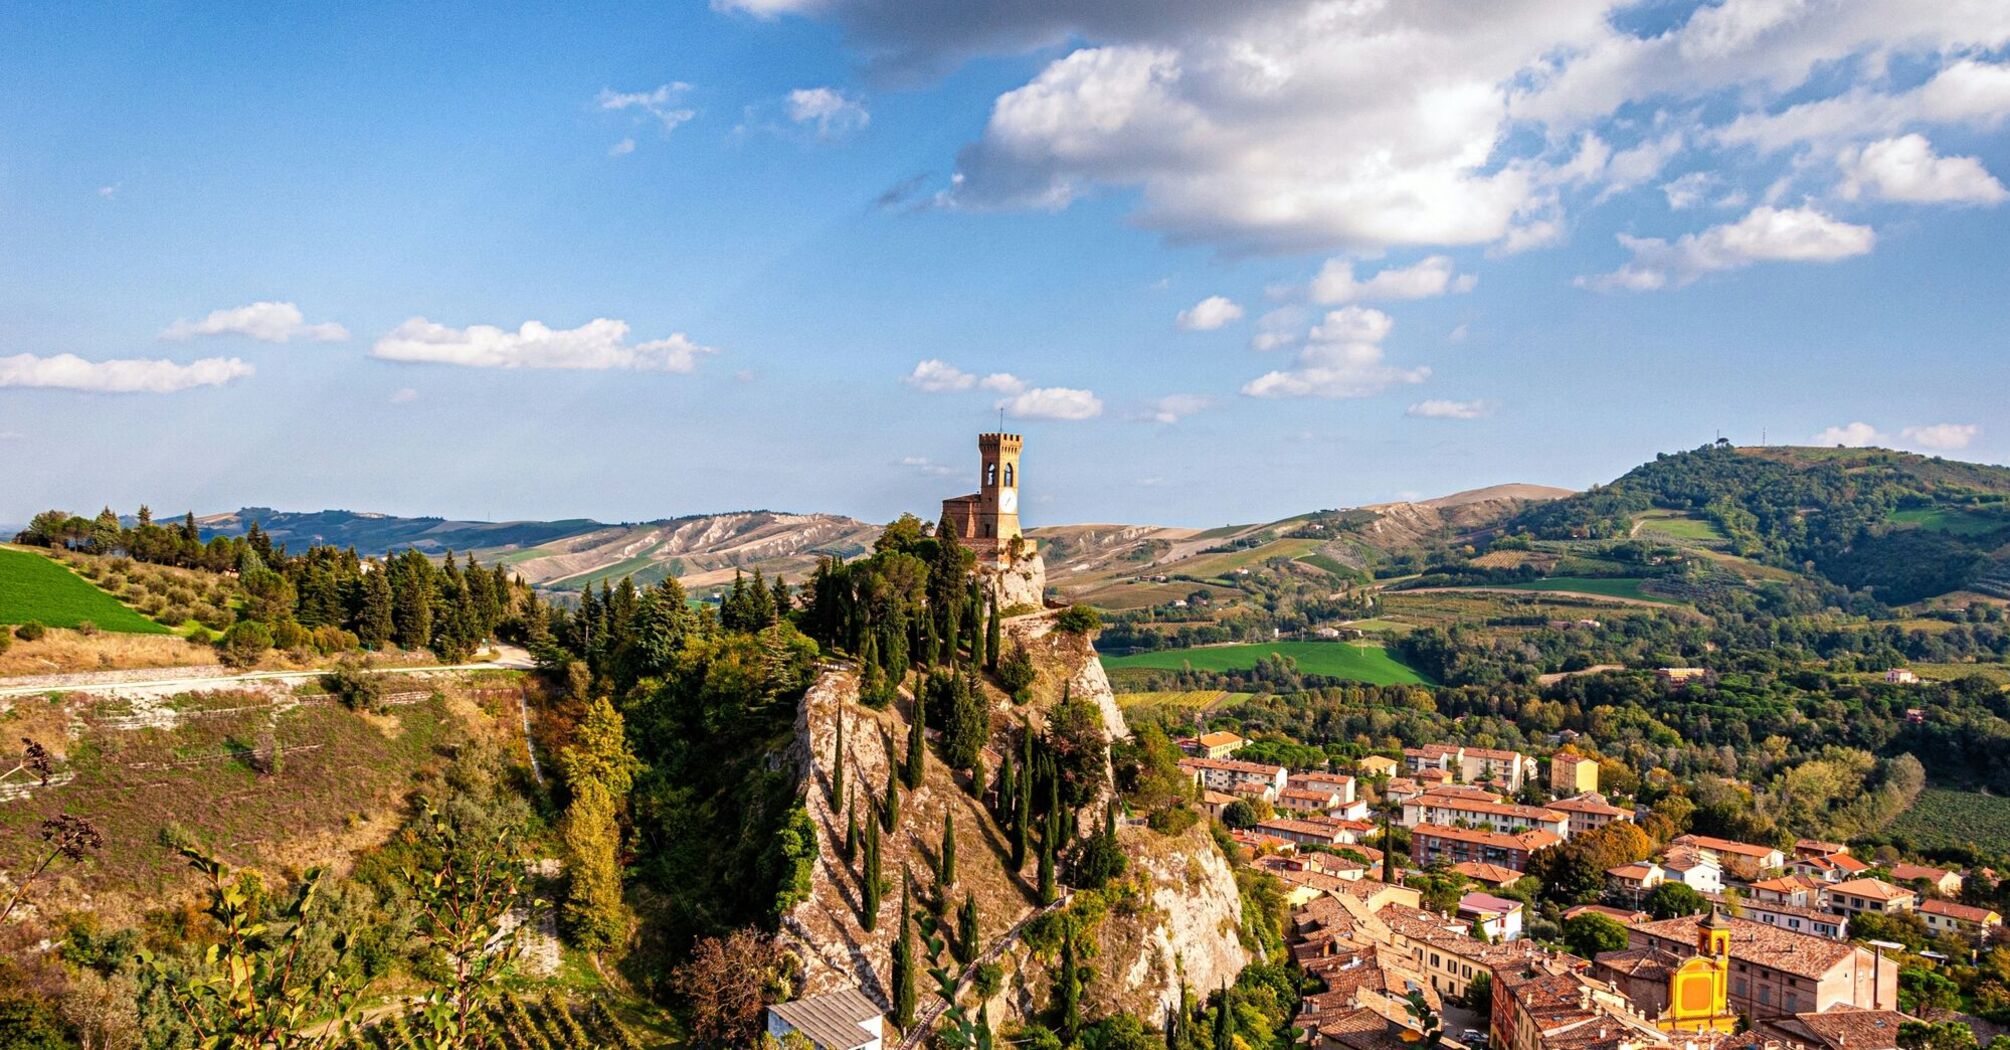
x: 1939, y: 880
x: 1490, y: 874
x: 1632, y: 883
x: 1218, y: 744
x: 1588, y: 812
x: 1697, y: 869
x: 1828, y: 867
x: 1901, y: 676
x: 1742, y: 859
x: 1226, y: 774
x: 1796, y: 918
x: 1681, y: 677
x: 1431, y: 843
x: 1680, y: 992
x: 1572, y: 774
x: 1338, y: 783
x: 1377, y: 766
x: 1434, y: 808
x: 1873, y: 896
x: 1776, y: 973
x: 1499, y: 917
x: 840, y: 1020
x: 1839, y: 1029
x: 1536, y: 1009
x: 1472, y: 765
x: 1961, y: 919
x: 1309, y: 832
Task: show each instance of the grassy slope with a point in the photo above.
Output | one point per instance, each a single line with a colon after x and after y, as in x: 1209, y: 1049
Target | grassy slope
x: 1614, y: 588
x: 1942, y: 817
x: 34, y: 588
x: 1360, y: 663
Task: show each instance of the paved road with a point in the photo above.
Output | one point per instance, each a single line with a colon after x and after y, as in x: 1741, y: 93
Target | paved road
x: 508, y: 657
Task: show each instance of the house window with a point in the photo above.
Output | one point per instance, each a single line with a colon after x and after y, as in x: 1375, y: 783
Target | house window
x: 1738, y: 987
x: 990, y: 474
x: 1008, y: 475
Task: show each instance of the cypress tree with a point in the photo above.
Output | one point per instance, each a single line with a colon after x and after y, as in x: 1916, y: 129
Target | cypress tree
x: 1008, y: 789
x: 917, y: 742
x: 850, y: 831
x: 977, y: 785
x: 952, y: 630
x: 966, y: 930
x: 903, y: 962
x: 924, y: 650
x: 1070, y: 980
x: 837, y: 761
x: 869, y: 878
x: 1022, y: 820
x: 890, y: 809
x: 949, y: 849
x: 992, y: 638
x: 1047, y: 865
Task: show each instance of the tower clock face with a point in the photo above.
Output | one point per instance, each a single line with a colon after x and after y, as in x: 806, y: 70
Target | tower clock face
x: 1008, y: 501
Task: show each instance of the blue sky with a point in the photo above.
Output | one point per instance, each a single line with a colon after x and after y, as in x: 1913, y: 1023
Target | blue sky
x: 1217, y: 262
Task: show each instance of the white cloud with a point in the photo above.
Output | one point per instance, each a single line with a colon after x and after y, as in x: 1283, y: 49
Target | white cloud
x: 924, y: 465
x: 832, y: 111
x: 1458, y: 334
x: 1281, y: 327
x: 1439, y: 408
x: 939, y: 377
x: 622, y: 148
x: 1945, y: 437
x: 1208, y: 314
x: 1907, y: 169
x: 109, y: 190
x: 1854, y: 435
x: 1002, y: 382
x: 598, y: 345
x: 404, y: 396
x: 665, y: 104
x: 1689, y: 190
x: 1052, y: 402
x: 1342, y: 357
x: 267, y: 322
x: 1965, y: 92
x: 1432, y: 276
x: 1174, y: 407
x: 1767, y: 234
x: 70, y: 372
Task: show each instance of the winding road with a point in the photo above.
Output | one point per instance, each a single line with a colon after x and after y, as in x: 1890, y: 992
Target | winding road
x: 181, y: 679
x: 925, y: 1022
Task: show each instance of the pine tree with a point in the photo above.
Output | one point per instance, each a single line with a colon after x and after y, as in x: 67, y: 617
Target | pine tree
x: 917, y: 742
x: 1224, y: 1024
x: 869, y: 885
x: 966, y: 930
x: 781, y: 599
x: 949, y: 849
x: 993, y: 639
x: 374, y: 623
x: 903, y: 962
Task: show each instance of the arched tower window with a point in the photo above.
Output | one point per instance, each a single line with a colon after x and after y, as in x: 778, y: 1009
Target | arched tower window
x: 1008, y: 475
x: 991, y: 475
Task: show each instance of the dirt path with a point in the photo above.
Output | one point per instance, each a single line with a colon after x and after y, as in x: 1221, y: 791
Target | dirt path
x: 159, y: 681
x: 925, y: 1021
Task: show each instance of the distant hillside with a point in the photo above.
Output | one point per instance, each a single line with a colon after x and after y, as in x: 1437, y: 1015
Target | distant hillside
x: 702, y: 550
x: 1904, y: 526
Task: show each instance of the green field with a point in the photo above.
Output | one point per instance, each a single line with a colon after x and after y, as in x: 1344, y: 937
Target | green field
x: 1359, y: 663
x: 1953, y: 818
x: 1192, y: 700
x: 34, y: 588
x: 1950, y: 520
x: 1679, y: 526
x: 1610, y: 587
x: 1322, y: 560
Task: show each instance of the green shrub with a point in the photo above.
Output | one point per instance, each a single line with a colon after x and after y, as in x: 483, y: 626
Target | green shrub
x: 244, y: 643
x: 1016, y: 673
x: 30, y: 631
x: 87, y: 628
x: 1078, y: 619
x: 352, y: 682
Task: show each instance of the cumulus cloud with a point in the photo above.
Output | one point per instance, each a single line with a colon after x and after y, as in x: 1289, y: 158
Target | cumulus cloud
x: 622, y: 148
x: 1052, y: 402
x: 1342, y: 357
x: 1853, y: 435
x: 664, y: 105
x: 939, y: 377
x: 1003, y: 382
x: 1208, y: 314
x: 1941, y: 437
x: 1907, y: 169
x: 598, y: 345
x: 1432, y: 276
x: 1281, y: 327
x: 267, y: 322
x: 1766, y: 234
x: 131, y: 376
x: 831, y: 111
x: 1174, y: 407
x: 1439, y: 408
x: 924, y: 465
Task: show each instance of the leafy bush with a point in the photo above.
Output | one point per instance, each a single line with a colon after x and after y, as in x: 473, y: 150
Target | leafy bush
x: 244, y: 643
x: 1078, y: 619
x: 1015, y: 673
x: 87, y: 628
x: 30, y: 631
x: 351, y: 682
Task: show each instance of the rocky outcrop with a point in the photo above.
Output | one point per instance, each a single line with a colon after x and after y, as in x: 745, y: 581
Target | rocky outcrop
x: 1023, y: 582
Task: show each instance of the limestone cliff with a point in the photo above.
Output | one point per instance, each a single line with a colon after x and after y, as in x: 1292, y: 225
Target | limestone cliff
x: 1173, y: 922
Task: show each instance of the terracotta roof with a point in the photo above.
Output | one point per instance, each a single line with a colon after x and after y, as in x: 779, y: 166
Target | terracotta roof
x: 1743, y: 849
x: 1958, y: 912
x: 1755, y: 943
x: 1908, y: 872
x: 1846, y: 1029
x: 1650, y: 962
x: 1524, y: 840
x: 1488, y: 904
x: 1636, y: 872
x: 1618, y: 915
x: 1480, y: 872
x: 1872, y: 889
x: 1593, y: 804
x: 1230, y: 765
x: 1818, y: 847
x: 1461, y: 791
x: 1220, y: 739
x: 1497, y: 809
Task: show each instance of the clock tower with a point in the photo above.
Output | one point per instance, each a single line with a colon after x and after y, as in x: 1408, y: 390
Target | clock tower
x: 987, y: 521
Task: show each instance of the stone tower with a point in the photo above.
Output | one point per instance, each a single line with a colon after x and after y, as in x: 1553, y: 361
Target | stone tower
x: 987, y: 521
